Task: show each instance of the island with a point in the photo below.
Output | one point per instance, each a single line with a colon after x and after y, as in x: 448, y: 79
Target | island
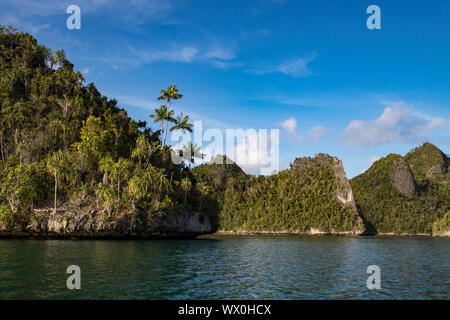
x: 75, y: 165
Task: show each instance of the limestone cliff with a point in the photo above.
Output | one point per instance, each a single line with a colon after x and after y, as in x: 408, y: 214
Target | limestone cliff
x: 91, y: 223
x: 402, y: 177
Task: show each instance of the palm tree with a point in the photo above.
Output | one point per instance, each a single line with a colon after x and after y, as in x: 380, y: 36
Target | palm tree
x: 168, y: 119
x: 181, y: 123
x: 136, y: 188
x: 191, y: 152
x: 117, y: 171
x: 170, y: 94
x: 58, y: 166
x: 160, y: 115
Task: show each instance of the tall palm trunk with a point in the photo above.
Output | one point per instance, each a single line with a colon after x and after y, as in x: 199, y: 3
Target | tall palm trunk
x: 1, y: 145
x: 167, y: 122
x: 162, y: 132
x: 56, y: 190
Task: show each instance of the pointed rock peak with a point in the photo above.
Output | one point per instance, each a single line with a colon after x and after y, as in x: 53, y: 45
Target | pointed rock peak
x: 427, y: 161
x: 320, y: 160
x: 221, y: 159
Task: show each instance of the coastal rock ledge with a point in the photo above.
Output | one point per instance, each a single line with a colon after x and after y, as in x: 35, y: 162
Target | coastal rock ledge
x: 94, y: 224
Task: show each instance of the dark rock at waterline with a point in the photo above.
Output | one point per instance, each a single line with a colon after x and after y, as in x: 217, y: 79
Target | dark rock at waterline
x: 97, y: 224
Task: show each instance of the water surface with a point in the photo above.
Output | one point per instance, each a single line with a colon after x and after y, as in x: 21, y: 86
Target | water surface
x: 247, y: 267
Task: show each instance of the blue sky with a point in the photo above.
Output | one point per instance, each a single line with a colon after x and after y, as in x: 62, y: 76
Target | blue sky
x: 310, y: 68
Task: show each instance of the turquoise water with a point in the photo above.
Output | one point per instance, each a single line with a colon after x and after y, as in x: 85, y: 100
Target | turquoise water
x: 251, y: 267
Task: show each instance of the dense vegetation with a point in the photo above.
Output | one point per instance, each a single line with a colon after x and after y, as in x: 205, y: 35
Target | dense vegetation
x: 65, y: 146
x: 390, y: 211
x: 294, y: 200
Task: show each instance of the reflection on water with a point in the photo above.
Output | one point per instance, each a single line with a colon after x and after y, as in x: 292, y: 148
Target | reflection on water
x: 266, y: 267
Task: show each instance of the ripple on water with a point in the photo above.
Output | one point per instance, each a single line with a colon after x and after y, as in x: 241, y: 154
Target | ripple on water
x: 265, y: 267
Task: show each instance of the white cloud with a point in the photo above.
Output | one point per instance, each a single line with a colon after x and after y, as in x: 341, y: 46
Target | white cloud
x: 290, y: 125
x: 318, y: 133
x: 190, y: 53
x: 8, y: 19
x: 225, y: 65
x: 135, y: 11
x: 315, y: 134
x: 296, y: 67
x: 175, y: 54
x: 220, y: 53
x: 396, y: 124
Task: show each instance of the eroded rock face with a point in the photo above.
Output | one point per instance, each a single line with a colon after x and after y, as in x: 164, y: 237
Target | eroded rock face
x: 96, y: 224
x: 440, y: 166
x: 402, y: 178
x: 343, y: 192
x: 437, y: 170
x: 427, y: 162
x: 188, y: 222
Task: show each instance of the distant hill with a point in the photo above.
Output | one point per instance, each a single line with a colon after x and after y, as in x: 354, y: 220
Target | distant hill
x: 406, y: 194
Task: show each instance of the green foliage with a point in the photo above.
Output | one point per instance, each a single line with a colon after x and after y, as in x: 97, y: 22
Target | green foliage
x: 424, y: 158
x: 292, y: 200
x: 21, y: 186
x: 63, y: 144
x: 442, y: 226
x: 389, y: 211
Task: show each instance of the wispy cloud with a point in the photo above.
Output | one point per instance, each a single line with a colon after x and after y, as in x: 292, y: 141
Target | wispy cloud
x: 318, y: 133
x: 290, y: 125
x: 133, y: 10
x: 397, y: 123
x: 315, y: 134
x: 9, y: 19
x: 296, y: 67
x: 188, y: 53
x: 245, y: 35
x: 175, y: 54
x: 219, y: 52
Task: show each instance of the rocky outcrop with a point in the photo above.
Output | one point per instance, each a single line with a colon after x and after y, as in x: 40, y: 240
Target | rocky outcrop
x: 96, y: 224
x: 406, y: 195
x: 189, y: 222
x: 343, y: 191
x: 220, y: 169
x: 437, y: 170
x: 402, y: 178
x: 427, y: 162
